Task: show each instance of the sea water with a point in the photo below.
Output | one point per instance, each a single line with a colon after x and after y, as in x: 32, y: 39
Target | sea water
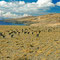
x: 8, y: 23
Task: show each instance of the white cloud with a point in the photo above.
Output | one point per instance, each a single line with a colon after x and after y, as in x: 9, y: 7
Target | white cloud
x: 1, y: 12
x: 58, y: 3
x: 21, y: 2
x: 20, y: 9
x: 45, y: 3
x: 26, y: 15
x: 9, y: 15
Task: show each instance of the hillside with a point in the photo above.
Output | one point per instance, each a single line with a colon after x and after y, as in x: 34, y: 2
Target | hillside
x: 50, y: 20
x: 29, y: 43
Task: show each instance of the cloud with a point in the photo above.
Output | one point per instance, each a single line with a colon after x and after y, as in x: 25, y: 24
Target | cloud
x: 22, y: 9
x: 45, y: 3
x: 58, y: 3
x: 10, y: 15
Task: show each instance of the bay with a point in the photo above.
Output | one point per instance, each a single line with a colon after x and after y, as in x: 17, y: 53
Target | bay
x: 8, y: 23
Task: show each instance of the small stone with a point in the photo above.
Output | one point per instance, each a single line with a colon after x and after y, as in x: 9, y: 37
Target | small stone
x: 8, y: 57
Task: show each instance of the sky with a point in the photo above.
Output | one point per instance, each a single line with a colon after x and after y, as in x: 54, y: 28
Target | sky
x: 23, y: 8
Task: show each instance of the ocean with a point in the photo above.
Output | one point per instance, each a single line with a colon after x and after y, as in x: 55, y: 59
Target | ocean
x: 8, y: 23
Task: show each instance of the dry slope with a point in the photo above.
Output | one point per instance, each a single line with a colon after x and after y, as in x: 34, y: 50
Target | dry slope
x: 29, y: 43
x: 43, y: 20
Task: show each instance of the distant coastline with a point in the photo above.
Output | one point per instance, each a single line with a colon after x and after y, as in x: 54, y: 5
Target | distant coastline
x: 43, y: 20
x: 9, y: 23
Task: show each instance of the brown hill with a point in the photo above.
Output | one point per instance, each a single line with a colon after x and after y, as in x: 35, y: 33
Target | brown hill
x: 48, y: 20
x: 43, y: 20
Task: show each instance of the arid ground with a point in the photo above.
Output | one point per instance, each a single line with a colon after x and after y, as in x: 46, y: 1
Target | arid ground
x: 29, y: 43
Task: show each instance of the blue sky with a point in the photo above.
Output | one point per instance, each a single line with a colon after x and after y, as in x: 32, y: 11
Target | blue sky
x: 54, y: 1
x: 28, y: 8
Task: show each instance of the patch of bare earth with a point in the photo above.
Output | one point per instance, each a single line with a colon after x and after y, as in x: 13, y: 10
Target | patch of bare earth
x: 52, y: 25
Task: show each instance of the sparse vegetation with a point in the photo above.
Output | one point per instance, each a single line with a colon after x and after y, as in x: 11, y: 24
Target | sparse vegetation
x: 38, y: 40
x: 29, y: 43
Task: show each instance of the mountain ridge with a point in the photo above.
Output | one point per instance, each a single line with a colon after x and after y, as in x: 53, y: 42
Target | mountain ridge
x: 37, y: 20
